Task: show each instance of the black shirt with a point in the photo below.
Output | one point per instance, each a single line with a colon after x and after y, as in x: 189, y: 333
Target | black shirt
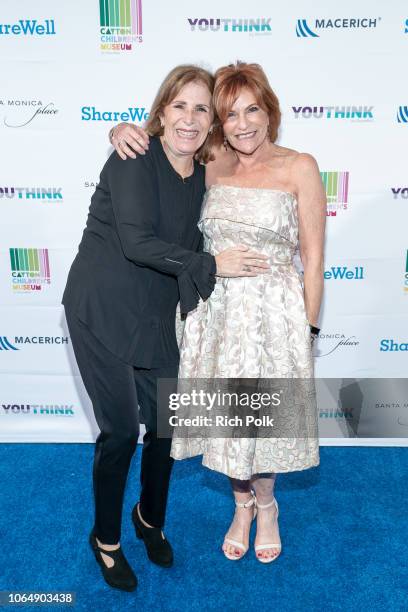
x: 140, y: 254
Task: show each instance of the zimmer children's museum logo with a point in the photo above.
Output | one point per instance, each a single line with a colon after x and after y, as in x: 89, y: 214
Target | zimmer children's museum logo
x: 30, y: 269
x: 259, y: 25
x: 121, y: 24
x: 336, y: 185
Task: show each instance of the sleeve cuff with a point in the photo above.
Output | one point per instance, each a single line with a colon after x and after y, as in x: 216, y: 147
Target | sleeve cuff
x: 196, y: 280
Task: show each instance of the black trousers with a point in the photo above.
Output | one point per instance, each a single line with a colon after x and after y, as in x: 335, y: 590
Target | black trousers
x: 116, y: 389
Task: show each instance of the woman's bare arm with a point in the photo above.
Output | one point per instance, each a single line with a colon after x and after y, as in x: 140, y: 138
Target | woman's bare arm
x: 312, y: 221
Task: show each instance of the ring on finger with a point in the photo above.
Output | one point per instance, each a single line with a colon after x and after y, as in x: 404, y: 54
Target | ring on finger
x: 246, y: 268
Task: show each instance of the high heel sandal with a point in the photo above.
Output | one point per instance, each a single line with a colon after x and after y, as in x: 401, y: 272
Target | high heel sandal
x: 275, y: 545
x: 240, y: 545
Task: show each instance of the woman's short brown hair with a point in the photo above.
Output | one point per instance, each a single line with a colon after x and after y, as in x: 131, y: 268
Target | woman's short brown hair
x: 230, y: 80
x: 173, y: 83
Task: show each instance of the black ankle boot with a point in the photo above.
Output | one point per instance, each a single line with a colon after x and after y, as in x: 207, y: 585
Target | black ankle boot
x: 120, y: 575
x: 158, y: 548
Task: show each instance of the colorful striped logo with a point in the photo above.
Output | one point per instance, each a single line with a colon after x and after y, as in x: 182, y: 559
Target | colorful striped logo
x: 336, y: 185
x: 30, y: 269
x: 121, y: 24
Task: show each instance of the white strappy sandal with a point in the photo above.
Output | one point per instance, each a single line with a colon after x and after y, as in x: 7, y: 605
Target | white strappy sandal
x: 275, y: 545
x: 240, y: 545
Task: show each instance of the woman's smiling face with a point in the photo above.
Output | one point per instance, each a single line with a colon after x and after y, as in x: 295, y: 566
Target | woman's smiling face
x: 246, y: 125
x: 187, y: 119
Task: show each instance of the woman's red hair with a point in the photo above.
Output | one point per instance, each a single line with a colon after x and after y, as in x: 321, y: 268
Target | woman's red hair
x: 229, y: 82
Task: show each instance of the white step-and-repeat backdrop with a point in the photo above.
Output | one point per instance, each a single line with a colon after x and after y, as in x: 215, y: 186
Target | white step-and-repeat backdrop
x: 71, y: 70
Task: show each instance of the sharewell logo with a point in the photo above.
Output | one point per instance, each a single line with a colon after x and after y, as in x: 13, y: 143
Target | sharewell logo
x: 343, y: 273
x: 28, y: 27
x: 336, y: 185
x: 303, y: 30
x: 121, y: 24
x: 132, y: 113
x: 30, y: 269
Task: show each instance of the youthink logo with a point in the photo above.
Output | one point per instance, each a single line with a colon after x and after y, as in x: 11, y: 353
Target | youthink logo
x: 402, y: 114
x: 391, y: 345
x: 134, y: 114
x: 354, y: 113
x: 121, y: 24
x: 343, y: 273
x: 5, y: 345
x: 40, y: 409
x: 28, y: 27
x: 40, y: 111
x: 216, y: 24
x: 303, y: 30
x: 46, y: 194
x: 400, y: 192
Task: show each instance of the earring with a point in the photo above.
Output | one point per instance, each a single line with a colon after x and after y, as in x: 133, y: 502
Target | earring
x: 225, y: 143
x: 210, y: 131
x: 161, y: 123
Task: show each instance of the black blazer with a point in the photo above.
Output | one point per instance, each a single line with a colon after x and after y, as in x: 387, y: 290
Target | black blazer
x: 140, y: 254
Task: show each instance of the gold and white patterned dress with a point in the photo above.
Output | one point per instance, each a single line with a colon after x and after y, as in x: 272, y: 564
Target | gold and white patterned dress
x: 251, y: 327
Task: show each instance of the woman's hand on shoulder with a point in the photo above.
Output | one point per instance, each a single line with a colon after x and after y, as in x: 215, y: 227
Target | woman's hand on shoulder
x: 129, y: 140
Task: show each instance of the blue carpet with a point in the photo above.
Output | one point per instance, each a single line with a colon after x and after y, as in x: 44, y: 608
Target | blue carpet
x: 343, y: 526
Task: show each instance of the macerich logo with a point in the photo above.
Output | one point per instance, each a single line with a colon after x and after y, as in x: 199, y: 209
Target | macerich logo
x: 402, y: 114
x: 30, y: 269
x: 136, y: 114
x: 40, y: 409
x: 41, y: 110
x: 336, y: 185
x: 121, y: 24
x: 217, y: 24
x: 47, y: 194
x: 344, y: 273
x: 5, y: 344
x: 391, y: 345
x: 304, y: 30
x: 354, y: 113
x: 28, y: 27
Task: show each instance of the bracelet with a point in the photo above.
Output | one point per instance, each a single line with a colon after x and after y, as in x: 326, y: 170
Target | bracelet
x: 315, y: 331
x: 111, y: 131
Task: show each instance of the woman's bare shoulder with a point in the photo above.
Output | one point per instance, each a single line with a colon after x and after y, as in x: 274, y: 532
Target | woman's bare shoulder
x: 220, y: 165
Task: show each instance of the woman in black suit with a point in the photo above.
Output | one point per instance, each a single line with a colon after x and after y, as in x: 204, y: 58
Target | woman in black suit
x: 139, y: 256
